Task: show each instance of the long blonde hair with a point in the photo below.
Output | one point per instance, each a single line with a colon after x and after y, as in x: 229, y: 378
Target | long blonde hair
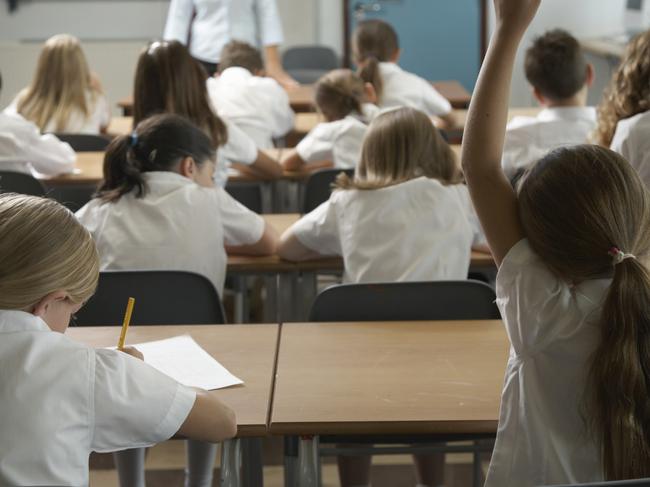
x: 608, y: 207
x: 43, y: 249
x: 60, y: 86
x: 628, y: 92
x: 339, y: 93
x: 400, y: 145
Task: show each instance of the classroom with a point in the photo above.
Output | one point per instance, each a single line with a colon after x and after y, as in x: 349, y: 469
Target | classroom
x: 323, y: 243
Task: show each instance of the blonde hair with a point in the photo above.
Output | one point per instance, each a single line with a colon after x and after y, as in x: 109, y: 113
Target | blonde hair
x: 400, y: 145
x: 628, y: 92
x: 609, y: 206
x: 339, y: 93
x: 43, y: 249
x: 60, y: 85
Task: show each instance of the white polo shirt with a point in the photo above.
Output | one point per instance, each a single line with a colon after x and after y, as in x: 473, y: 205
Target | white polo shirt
x: 256, y: 22
x: 98, y: 118
x: 418, y: 230
x: 60, y: 400
x: 632, y: 141
x: 528, y: 139
x: 239, y: 148
x: 257, y: 105
x: 178, y: 225
x: 553, y: 330
x: 23, y: 149
x: 404, y: 89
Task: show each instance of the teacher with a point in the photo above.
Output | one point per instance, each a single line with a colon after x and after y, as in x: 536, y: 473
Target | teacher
x: 208, y: 25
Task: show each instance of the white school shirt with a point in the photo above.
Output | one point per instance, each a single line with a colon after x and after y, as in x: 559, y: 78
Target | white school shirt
x: 632, y: 141
x: 528, y: 139
x: 78, y: 123
x: 256, y: 22
x: 404, y: 89
x: 178, y: 225
x: 553, y: 331
x: 60, y: 400
x: 24, y: 149
x: 339, y: 141
x: 413, y: 231
x: 257, y: 105
x: 239, y: 148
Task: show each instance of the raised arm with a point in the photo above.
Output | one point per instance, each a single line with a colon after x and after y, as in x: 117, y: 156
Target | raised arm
x: 493, y: 197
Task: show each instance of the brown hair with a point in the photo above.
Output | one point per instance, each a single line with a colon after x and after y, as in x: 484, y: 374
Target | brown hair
x: 339, y: 93
x: 241, y: 54
x: 609, y: 207
x: 374, y: 41
x: 400, y: 145
x: 43, y: 249
x: 60, y: 85
x: 169, y: 80
x: 157, y: 144
x: 556, y: 65
x: 628, y: 92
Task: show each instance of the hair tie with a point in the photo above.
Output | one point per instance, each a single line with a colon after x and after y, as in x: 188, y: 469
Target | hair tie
x: 133, y: 139
x: 618, y: 255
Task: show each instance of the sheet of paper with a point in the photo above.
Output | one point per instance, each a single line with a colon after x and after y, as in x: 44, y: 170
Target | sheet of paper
x: 182, y: 359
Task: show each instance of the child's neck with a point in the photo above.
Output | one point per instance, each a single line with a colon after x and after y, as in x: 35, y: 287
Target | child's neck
x: 577, y: 100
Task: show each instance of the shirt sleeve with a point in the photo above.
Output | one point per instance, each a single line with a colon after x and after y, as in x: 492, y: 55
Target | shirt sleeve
x: 319, y: 230
x: 435, y: 103
x: 620, y: 141
x: 179, y: 19
x: 134, y: 404
x: 240, y: 147
x: 516, y: 152
x: 241, y: 226
x: 269, y: 22
x: 283, y: 116
x: 478, y: 238
x: 318, y: 144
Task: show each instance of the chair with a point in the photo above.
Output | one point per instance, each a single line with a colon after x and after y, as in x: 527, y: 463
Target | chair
x: 306, y: 64
x: 17, y: 182
x: 161, y: 298
x: 248, y: 194
x: 85, y: 142
x: 318, y: 187
x: 615, y: 483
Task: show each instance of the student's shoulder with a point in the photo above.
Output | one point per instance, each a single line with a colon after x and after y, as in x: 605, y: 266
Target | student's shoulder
x: 637, y: 124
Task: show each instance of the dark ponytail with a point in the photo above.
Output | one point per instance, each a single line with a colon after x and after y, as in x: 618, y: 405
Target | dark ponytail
x: 158, y: 143
x: 374, y: 42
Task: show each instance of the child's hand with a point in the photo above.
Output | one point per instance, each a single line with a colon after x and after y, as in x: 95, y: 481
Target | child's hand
x: 515, y: 16
x: 134, y: 352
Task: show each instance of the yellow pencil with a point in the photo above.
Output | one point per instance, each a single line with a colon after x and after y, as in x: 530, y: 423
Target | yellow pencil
x: 125, y: 324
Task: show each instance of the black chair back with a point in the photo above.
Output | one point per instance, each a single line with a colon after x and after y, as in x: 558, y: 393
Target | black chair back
x: 406, y: 301
x: 17, y: 182
x: 161, y: 298
x: 306, y: 64
x: 85, y: 142
x: 615, y: 483
x: 248, y: 194
x: 318, y: 187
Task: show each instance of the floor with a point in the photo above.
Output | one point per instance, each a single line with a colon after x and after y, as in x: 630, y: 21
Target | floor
x: 166, y: 461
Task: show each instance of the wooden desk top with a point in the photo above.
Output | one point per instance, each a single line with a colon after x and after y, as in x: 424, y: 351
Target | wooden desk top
x: 120, y: 126
x: 389, y: 378
x: 453, y: 91
x: 612, y: 48
x: 248, y: 351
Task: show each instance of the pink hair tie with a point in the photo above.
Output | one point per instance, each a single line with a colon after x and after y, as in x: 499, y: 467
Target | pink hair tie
x: 618, y: 255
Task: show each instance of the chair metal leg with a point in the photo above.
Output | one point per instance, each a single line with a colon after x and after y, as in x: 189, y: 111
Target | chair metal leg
x: 477, y: 470
x: 271, y: 301
x: 252, y: 462
x: 287, y: 292
x: 230, y: 463
x: 307, y: 461
x: 290, y: 461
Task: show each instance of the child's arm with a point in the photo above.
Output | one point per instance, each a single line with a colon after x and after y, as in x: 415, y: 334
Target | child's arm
x: 293, y: 249
x: 266, y: 167
x: 209, y: 419
x: 492, y: 195
x: 266, y: 245
x: 292, y: 161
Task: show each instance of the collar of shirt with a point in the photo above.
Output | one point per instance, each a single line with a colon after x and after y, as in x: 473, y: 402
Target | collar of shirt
x: 567, y: 113
x: 12, y: 320
x: 165, y: 179
x: 236, y: 74
x: 389, y: 68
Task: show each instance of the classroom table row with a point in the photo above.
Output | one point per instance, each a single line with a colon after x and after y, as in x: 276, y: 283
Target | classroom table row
x: 301, y: 98
x: 310, y: 379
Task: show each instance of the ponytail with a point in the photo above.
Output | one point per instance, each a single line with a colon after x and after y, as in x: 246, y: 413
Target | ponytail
x: 620, y: 375
x: 369, y: 73
x: 158, y: 144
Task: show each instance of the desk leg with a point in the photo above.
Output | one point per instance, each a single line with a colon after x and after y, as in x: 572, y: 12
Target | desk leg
x: 290, y: 461
x: 308, y: 461
x: 271, y: 301
x: 230, y: 463
x: 266, y: 189
x: 308, y: 291
x: 252, y: 462
x: 287, y: 296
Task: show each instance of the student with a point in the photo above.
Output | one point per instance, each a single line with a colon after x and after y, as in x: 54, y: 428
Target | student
x: 624, y: 113
x: 560, y: 76
x: 64, y: 96
x: 158, y: 209
x: 375, y: 48
x: 243, y: 95
x: 60, y: 399
x: 23, y: 149
x: 573, y: 289
x: 340, y: 98
x: 168, y: 80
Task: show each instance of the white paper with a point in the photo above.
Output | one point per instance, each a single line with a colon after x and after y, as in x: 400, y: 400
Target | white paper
x: 182, y: 359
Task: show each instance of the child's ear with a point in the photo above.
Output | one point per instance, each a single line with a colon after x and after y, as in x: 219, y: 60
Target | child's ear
x: 40, y: 309
x: 395, y: 57
x: 260, y: 73
x: 187, y: 167
x: 541, y: 99
x: 591, y: 75
x: 370, y: 94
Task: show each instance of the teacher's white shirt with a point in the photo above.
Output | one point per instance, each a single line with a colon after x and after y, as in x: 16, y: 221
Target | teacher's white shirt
x: 60, y: 400
x: 256, y: 22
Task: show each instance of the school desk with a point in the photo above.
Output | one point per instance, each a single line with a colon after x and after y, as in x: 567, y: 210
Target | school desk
x: 248, y: 351
x: 390, y: 378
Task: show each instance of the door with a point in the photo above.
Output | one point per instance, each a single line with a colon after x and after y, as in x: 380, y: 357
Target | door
x: 440, y: 39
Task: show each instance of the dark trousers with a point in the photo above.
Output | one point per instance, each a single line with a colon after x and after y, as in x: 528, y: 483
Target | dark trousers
x: 210, y: 68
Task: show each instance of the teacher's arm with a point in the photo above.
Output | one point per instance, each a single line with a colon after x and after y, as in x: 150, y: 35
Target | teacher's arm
x: 179, y: 19
x: 271, y: 37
